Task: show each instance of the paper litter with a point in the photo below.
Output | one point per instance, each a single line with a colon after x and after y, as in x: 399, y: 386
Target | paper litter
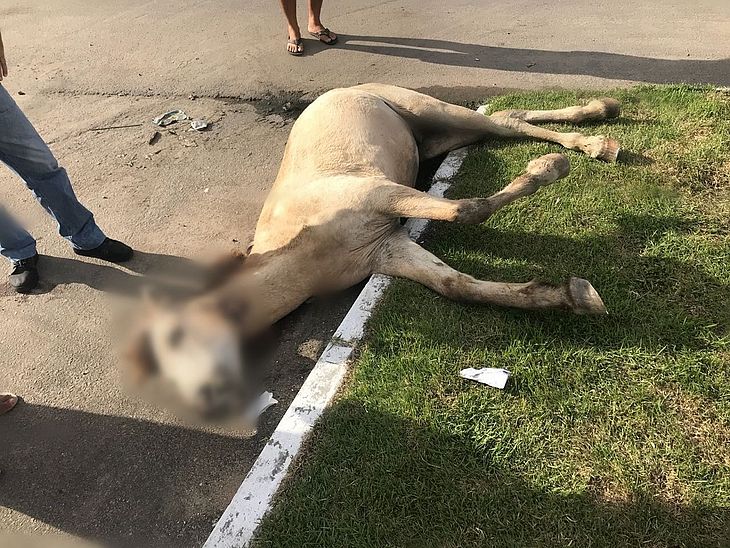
x: 491, y: 376
x: 261, y: 404
x: 170, y: 117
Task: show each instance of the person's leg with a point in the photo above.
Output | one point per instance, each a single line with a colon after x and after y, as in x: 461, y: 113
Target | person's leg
x: 18, y: 246
x: 294, y: 45
x: 23, y: 150
x: 315, y: 26
x: 15, y: 242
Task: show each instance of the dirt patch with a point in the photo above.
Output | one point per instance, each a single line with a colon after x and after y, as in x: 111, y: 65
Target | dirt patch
x: 702, y: 425
x: 607, y: 490
x: 294, y: 346
x: 286, y: 104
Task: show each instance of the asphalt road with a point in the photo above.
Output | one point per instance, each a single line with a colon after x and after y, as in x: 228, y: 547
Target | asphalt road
x: 80, y: 458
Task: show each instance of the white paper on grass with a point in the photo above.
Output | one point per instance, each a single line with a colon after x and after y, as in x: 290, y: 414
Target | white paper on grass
x: 491, y: 376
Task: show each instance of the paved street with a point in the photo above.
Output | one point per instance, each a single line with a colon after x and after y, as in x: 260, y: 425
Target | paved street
x: 81, y: 458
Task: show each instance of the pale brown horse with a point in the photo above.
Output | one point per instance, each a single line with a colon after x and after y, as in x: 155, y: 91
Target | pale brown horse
x: 333, y: 218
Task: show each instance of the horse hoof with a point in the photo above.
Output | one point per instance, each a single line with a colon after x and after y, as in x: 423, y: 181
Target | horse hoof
x: 549, y: 167
x: 609, y: 151
x: 601, y: 148
x: 584, y: 298
x: 610, y: 108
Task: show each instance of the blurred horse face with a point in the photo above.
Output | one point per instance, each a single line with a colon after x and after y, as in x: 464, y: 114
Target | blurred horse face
x: 196, y: 350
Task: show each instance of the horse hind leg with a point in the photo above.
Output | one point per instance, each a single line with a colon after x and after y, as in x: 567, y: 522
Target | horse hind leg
x: 605, y: 108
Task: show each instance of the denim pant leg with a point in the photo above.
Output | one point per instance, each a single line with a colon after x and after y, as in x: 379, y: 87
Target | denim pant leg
x: 23, y: 150
x: 15, y: 242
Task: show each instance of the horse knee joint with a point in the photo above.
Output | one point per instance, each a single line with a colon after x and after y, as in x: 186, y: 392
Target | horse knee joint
x: 473, y: 211
x: 452, y: 286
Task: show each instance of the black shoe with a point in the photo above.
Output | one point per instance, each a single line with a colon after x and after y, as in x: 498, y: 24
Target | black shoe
x: 24, y: 277
x: 109, y: 250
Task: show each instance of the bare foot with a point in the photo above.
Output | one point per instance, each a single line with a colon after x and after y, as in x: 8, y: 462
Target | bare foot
x: 295, y: 45
x: 323, y: 34
x: 7, y: 402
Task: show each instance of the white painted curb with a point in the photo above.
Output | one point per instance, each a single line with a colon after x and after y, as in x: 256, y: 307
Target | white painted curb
x: 239, y: 522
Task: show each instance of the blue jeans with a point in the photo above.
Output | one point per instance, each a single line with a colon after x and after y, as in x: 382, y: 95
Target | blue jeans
x: 23, y: 151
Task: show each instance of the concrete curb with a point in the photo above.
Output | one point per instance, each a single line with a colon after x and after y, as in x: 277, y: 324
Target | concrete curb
x: 252, y: 501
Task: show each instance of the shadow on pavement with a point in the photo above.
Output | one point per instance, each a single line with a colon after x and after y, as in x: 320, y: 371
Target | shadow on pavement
x: 118, y: 480
x: 585, y: 63
x: 167, y: 275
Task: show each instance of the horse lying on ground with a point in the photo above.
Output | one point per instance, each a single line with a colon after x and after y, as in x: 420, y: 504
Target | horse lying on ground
x: 333, y: 218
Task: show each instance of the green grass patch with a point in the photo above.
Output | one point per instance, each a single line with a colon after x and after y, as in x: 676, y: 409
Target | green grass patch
x: 613, y: 431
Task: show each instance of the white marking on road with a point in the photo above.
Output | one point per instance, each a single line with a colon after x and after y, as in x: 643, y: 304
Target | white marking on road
x: 239, y: 521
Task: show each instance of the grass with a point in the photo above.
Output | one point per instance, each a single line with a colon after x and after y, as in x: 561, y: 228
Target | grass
x: 613, y: 431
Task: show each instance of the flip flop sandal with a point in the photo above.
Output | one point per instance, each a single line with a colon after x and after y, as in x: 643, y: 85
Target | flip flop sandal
x: 324, y: 33
x: 7, y: 402
x: 298, y: 43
